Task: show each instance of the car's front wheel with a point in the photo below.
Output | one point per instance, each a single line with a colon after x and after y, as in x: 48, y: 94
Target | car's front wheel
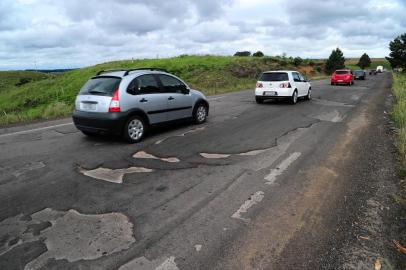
x: 200, y: 113
x: 134, y: 129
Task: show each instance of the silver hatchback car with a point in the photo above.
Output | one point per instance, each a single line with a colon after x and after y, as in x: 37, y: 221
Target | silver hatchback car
x: 127, y: 102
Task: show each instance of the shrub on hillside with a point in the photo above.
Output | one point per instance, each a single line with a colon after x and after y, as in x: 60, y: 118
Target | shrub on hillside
x: 243, y: 53
x: 364, y: 61
x: 258, y: 54
x: 335, y: 61
x: 397, y: 56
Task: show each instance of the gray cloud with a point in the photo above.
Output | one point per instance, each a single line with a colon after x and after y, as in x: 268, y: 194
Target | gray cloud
x: 76, y: 33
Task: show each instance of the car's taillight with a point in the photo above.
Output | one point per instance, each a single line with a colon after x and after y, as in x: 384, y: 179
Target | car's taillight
x: 115, y: 102
x: 260, y: 85
x: 285, y: 85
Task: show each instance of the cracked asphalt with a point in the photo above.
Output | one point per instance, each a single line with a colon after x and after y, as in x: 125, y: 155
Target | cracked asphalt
x: 234, y: 193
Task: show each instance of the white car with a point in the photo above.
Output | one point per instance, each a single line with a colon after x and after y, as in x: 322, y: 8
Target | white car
x: 379, y: 69
x: 282, y: 84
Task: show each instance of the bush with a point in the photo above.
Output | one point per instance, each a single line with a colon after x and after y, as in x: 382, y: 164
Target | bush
x: 243, y: 53
x: 258, y: 54
x: 335, y: 61
x: 364, y: 61
x: 297, y: 61
x: 397, y: 57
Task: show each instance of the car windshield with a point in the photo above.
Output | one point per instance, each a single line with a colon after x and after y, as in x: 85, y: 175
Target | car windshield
x: 358, y: 72
x: 342, y: 72
x: 104, y: 86
x: 274, y: 77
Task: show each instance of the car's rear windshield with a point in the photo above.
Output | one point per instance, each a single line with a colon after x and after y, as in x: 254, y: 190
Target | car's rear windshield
x: 274, y: 77
x: 103, y: 86
x: 359, y: 72
x: 342, y: 72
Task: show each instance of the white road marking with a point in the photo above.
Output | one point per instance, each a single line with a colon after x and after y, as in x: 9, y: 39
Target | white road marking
x: 271, y: 177
x: 70, y: 235
x: 34, y: 130
x: 144, y: 155
x: 254, y: 199
x: 198, y: 247
x: 113, y: 176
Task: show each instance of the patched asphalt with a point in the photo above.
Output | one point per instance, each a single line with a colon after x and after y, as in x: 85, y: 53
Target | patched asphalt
x: 270, y: 186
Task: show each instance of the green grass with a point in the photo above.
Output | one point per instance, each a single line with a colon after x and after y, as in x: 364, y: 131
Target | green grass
x: 399, y: 117
x: 54, y: 96
x: 399, y: 113
x: 352, y: 64
x: 14, y: 78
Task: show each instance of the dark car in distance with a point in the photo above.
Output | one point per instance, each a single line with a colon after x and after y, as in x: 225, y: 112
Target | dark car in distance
x: 360, y: 74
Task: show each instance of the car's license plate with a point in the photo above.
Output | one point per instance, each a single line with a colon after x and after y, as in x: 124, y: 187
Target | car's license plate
x: 340, y: 80
x: 270, y: 93
x: 89, y: 106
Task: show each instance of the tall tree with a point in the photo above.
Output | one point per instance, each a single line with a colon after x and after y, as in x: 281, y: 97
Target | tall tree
x: 364, y: 61
x: 397, y: 57
x: 335, y: 61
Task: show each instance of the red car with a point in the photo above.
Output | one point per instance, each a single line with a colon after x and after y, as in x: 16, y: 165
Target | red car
x: 344, y: 76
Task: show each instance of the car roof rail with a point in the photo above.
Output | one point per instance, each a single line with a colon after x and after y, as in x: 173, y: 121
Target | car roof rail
x: 109, y: 70
x: 136, y: 69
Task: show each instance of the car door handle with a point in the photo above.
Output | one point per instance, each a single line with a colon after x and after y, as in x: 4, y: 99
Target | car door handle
x: 171, y: 98
x: 144, y: 100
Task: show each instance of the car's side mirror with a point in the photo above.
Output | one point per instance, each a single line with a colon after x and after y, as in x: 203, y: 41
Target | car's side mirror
x: 184, y: 90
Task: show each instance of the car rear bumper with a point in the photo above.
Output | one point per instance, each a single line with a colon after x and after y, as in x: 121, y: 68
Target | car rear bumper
x: 279, y: 93
x: 341, y: 81
x: 99, y: 122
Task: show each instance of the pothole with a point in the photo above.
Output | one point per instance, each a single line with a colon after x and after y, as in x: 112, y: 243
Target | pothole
x: 181, y: 135
x: 220, y: 156
x: 143, y: 263
x: 144, y: 155
x: 333, y: 116
x: 70, y: 235
x: 214, y: 156
x: 331, y: 103
x: 113, y: 176
x: 29, y: 167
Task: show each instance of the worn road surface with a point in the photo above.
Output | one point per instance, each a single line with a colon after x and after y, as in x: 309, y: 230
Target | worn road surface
x: 256, y: 187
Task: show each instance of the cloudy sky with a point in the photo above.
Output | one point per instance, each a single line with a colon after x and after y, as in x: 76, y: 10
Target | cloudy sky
x: 76, y: 33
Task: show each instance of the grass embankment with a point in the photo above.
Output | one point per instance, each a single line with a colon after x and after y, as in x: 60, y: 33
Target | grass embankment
x: 352, y: 64
x: 54, y: 96
x: 399, y: 118
x: 18, y: 78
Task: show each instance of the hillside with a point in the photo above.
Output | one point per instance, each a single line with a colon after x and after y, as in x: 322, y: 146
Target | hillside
x: 54, y: 96
x: 10, y: 79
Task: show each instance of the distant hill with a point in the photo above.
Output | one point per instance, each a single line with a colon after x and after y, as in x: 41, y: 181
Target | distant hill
x: 51, y: 70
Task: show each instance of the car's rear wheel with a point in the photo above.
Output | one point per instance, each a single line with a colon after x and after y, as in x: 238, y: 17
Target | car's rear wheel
x: 134, y: 129
x: 200, y: 113
x: 293, y: 99
x: 259, y: 100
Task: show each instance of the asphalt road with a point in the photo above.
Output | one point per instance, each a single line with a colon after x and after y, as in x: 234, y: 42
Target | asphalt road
x: 253, y: 188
